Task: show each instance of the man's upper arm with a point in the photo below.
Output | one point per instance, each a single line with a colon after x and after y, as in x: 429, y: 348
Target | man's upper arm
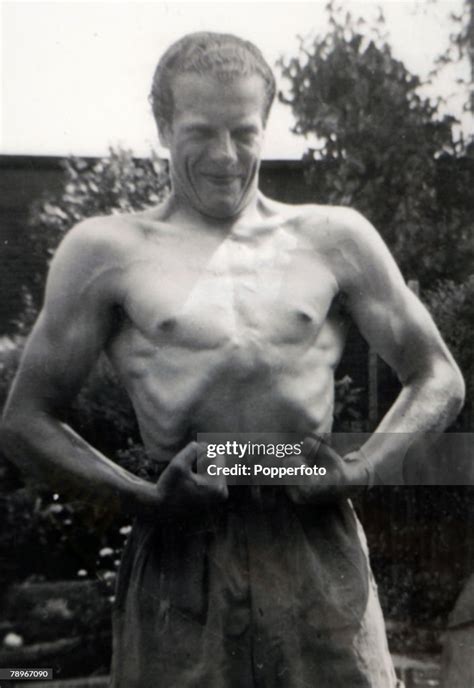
x: 74, y: 323
x: 387, y: 313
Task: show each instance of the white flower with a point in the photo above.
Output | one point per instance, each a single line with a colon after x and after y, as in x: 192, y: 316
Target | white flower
x: 13, y: 640
x: 106, y: 552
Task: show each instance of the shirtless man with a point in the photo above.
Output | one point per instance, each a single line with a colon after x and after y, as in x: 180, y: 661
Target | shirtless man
x: 233, y: 311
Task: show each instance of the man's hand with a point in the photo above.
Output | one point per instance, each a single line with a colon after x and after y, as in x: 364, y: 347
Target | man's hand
x: 344, y: 476
x: 181, y: 489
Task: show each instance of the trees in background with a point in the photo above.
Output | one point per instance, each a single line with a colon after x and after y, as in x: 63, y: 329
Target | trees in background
x: 461, y: 46
x: 386, y: 147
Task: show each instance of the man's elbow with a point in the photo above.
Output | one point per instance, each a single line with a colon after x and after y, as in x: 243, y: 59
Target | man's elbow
x: 450, y: 389
x: 457, y: 391
x: 443, y: 387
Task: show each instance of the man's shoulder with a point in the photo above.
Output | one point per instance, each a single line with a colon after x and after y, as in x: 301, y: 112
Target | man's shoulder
x: 95, y: 252
x: 106, y: 231
x: 104, y: 237
x: 338, y: 218
x: 343, y: 238
x: 329, y: 222
x: 354, y: 249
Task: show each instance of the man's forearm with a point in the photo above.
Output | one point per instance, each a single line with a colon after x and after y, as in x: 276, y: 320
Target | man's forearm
x: 423, y: 407
x: 56, y: 456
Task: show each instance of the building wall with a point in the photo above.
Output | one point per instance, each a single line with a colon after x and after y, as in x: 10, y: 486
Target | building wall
x: 23, y: 180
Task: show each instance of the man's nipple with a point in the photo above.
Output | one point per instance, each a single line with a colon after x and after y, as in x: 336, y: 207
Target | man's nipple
x: 167, y: 325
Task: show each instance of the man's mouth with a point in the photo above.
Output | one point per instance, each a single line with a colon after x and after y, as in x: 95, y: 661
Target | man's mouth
x: 221, y: 179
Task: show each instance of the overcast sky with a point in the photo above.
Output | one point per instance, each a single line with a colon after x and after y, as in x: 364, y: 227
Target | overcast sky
x: 75, y: 75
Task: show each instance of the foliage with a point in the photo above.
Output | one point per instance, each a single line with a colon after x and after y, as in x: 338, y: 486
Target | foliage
x: 37, y: 522
x: 102, y: 412
x: 461, y: 47
x: 380, y: 140
x: 348, y: 405
x: 417, y: 550
x: 452, y: 307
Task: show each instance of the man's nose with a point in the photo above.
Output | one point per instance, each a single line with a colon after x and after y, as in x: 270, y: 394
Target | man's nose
x: 222, y: 149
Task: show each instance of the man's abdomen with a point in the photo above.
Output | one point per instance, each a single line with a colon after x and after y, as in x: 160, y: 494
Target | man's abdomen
x: 179, y: 393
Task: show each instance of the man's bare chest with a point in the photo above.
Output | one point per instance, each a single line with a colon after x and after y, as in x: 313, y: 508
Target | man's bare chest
x: 271, y: 292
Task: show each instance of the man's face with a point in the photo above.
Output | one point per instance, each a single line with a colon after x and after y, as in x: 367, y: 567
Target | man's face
x: 215, y: 142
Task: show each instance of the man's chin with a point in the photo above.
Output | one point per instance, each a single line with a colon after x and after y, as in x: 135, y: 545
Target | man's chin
x: 224, y: 210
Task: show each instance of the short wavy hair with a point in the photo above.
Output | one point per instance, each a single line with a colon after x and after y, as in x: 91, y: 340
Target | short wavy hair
x: 223, y: 55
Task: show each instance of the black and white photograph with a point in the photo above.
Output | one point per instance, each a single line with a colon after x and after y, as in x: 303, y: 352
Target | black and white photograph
x: 236, y: 344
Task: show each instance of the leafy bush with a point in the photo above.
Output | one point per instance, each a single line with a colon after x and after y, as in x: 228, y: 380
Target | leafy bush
x: 348, y: 406
x: 452, y: 307
x: 381, y: 142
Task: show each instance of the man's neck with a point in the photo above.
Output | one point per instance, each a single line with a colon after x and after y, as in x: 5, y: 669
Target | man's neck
x: 250, y: 212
